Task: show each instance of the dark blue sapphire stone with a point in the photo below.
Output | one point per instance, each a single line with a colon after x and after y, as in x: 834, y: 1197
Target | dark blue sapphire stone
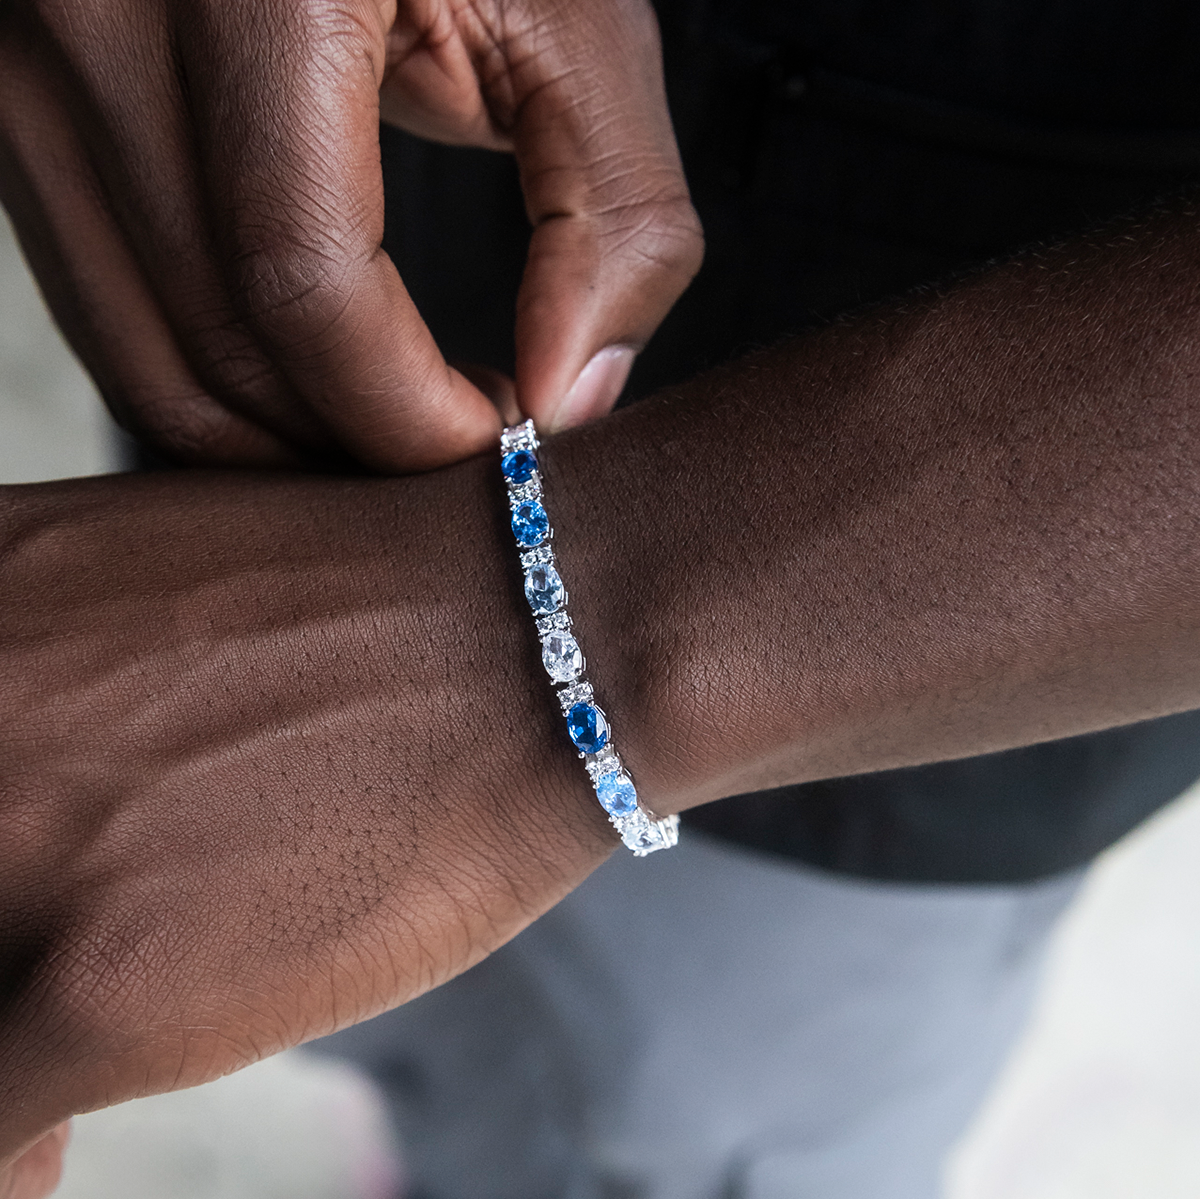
x: 530, y: 524
x: 518, y: 466
x: 588, y: 728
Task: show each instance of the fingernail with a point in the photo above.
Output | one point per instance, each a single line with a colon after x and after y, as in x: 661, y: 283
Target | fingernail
x: 596, y: 390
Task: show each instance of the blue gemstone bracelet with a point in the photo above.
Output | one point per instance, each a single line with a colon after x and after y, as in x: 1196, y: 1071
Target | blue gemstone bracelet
x: 587, y: 726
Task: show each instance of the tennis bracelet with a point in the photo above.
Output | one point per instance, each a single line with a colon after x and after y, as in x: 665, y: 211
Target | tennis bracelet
x: 587, y: 725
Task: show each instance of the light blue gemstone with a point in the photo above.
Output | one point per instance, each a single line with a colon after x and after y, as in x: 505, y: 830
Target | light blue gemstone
x: 530, y: 524
x: 544, y: 590
x: 588, y: 728
x: 617, y: 793
x: 518, y: 467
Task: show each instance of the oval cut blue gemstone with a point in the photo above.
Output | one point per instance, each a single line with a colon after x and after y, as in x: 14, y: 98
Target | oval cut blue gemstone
x: 544, y: 590
x: 518, y: 466
x: 588, y: 728
x: 530, y: 524
x: 616, y: 792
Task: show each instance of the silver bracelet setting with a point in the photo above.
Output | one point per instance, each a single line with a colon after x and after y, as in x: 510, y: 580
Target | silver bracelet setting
x: 587, y: 725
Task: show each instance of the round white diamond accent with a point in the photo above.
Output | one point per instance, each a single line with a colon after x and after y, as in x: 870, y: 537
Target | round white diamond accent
x: 561, y: 656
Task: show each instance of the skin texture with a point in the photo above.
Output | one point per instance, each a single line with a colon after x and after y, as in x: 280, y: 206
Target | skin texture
x: 197, y: 187
x: 959, y: 523
x: 272, y: 750
x: 277, y: 753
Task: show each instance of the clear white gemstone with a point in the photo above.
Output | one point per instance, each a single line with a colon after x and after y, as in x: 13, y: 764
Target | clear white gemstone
x: 603, y: 762
x: 519, y: 492
x: 542, y: 556
x: 577, y: 693
x: 519, y: 437
x: 643, y: 835
x: 562, y: 657
x: 556, y: 620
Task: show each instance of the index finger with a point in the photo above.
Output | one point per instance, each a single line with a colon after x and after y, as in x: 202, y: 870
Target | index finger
x: 286, y: 98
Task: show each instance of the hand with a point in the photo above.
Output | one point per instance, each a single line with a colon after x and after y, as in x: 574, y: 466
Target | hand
x: 197, y: 188
x: 35, y: 1174
x: 271, y: 761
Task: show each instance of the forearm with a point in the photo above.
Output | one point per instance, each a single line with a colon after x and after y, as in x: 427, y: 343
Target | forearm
x: 273, y: 757
x: 959, y: 523
x: 278, y: 753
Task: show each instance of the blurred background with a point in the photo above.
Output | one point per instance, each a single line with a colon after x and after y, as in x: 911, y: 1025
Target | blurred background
x: 1100, y: 1101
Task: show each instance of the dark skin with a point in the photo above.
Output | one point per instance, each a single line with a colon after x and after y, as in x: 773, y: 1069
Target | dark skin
x: 198, y: 191
x: 333, y: 879
x: 197, y: 187
x: 245, y: 802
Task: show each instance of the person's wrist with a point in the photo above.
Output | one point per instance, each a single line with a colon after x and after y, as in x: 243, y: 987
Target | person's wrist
x: 524, y: 764
x: 619, y: 571
x: 290, y: 724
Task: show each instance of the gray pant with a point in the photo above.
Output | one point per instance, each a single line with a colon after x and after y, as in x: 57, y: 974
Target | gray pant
x: 708, y: 1023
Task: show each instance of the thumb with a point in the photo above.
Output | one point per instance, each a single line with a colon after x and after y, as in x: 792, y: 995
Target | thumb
x: 615, y: 239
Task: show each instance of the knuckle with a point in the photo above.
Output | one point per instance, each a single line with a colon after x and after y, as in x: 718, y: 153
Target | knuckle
x: 229, y: 361
x: 238, y: 372
x: 295, y: 293
x: 661, y: 234
x: 184, y: 423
